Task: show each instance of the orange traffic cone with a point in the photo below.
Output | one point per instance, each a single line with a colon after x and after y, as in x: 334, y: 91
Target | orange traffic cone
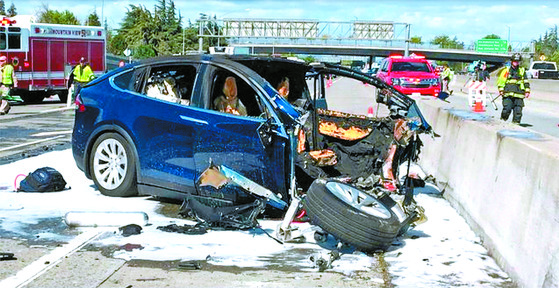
x: 479, y: 107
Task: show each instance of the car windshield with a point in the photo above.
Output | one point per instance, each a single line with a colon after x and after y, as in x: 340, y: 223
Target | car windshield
x: 410, y: 66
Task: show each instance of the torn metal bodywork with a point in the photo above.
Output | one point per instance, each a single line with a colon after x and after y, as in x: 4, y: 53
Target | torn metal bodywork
x: 331, y: 146
x: 217, y: 211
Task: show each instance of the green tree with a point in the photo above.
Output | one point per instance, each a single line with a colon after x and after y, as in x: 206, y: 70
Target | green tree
x: 416, y: 40
x: 155, y: 33
x: 2, y: 7
x: 55, y: 17
x: 548, y: 44
x: 12, y: 11
x: 93, y: 20
x: 491, y: 36
x: 445, y: 42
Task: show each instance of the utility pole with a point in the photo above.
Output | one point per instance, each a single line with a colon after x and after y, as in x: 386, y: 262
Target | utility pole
x: 407, y: 51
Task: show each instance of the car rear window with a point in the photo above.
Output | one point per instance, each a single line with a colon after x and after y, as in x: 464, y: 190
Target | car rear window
x: 410, y: 66
x: 544, y: 66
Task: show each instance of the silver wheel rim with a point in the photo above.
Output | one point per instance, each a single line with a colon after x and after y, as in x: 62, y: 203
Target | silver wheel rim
x: 358, y: 199
x: 110, y: 164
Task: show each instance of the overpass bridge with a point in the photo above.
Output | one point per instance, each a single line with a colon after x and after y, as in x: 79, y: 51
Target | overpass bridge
x: 365, y: 51
x: 351, y: 38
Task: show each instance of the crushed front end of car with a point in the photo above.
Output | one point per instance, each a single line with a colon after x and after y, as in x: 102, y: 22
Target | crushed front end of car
x: 343, y: 171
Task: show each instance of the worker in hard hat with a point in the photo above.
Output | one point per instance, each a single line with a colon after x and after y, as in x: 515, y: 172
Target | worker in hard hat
x: 513, y: 87
x: 81, y: 75
x: 9, y: 79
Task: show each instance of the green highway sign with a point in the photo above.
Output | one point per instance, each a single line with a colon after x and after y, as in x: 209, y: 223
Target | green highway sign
x: 492, y: 46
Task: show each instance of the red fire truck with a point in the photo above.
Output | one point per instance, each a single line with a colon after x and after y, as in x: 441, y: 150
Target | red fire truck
x: 44, y: 55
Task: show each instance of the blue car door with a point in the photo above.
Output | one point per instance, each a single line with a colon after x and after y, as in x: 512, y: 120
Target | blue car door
x: 164, y: 141
x: 234, y: 141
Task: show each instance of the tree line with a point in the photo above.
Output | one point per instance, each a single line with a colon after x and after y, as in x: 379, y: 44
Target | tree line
x: 158, y: 32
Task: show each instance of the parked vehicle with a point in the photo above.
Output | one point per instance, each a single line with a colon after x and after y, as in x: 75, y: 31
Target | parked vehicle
x: 410, y: 75
x: 44, y: 54
x: 543, y: 70
x: 343, y: 168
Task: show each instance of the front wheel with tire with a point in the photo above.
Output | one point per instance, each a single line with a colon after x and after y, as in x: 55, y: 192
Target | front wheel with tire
x: 351, y: 215
x: 113, y: 166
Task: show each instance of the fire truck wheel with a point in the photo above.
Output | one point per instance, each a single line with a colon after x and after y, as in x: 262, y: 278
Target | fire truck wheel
x: 63, y: 95
x: 350, y: 215
x: 32, y: 97
x: 112, y: 166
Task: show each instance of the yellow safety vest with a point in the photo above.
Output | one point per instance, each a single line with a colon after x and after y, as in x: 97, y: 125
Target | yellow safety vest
x: 84, y: 75
x: 7, y: 72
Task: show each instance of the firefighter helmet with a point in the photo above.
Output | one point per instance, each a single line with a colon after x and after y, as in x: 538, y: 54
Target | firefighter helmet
x: 516, y: 57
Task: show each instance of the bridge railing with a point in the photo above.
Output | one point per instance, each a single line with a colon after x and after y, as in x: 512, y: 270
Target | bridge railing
x: 356, y: 33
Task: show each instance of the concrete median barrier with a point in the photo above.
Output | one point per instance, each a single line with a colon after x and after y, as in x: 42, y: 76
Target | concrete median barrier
x: 504, y: 180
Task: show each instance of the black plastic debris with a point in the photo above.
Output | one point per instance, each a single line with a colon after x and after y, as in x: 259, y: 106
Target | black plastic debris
x: 216, y: 214
x: 4, y: 256
x: 130, y: 229
x: 44, y: 179
x: 197, y: 229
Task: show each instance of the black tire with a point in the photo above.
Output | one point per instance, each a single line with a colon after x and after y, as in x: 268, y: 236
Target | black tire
x: 33, y: 97
x: 330, y: 205
x: 62, y: 95
x: 113, y: 166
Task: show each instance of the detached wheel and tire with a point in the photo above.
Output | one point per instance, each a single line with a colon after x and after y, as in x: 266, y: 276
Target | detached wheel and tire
x: 113, y: 167
x: 351, y: 215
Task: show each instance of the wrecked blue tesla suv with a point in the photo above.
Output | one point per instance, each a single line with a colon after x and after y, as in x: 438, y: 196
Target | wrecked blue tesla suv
x: 215, y: 130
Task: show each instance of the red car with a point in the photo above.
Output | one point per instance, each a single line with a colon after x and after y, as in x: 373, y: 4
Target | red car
x: 410, y: 75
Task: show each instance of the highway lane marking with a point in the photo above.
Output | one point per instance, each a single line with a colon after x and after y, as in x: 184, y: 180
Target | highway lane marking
x: 43, y: 264
x: 42, y: 134
x: 30, y: 143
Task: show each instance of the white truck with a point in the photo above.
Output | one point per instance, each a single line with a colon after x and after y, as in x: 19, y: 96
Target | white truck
x: 543, y: 70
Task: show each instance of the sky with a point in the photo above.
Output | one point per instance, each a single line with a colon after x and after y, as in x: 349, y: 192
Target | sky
x: 468, y: 21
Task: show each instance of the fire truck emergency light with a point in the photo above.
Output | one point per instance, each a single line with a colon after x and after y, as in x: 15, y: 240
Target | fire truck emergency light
x: 7, y: 21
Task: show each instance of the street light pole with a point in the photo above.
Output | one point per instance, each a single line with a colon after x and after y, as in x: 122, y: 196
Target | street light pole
x: 200, y: 40
x: 407, y: 52
x: 508, y: 38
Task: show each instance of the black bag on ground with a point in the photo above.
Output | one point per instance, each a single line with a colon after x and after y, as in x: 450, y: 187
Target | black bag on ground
x: 44, y: 179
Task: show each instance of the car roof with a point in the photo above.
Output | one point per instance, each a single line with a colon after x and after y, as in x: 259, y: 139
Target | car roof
x: 409, y: 59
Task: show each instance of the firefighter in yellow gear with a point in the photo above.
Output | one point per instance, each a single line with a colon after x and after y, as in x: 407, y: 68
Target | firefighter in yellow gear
x: 513, y: 87
x: 81, y: 75
x: 9, y: 79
